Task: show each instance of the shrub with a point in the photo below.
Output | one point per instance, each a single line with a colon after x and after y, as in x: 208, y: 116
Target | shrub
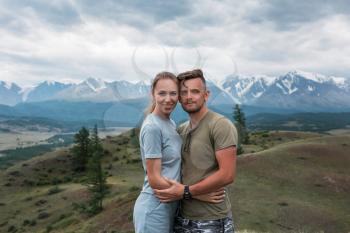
x: 28, y: 199
x: 12, y: 228
x: 134, y: 188
x: 49, y: 228
x: 32, y: 223
x: 43, y: 215
x: 67, y: 179
x: 26, y: 222
x: 54, y: 190
x: 56, y: 181
x: 40, y: 202
x: 15, y: 173
x: 28, y: 182
x: 109, y: 167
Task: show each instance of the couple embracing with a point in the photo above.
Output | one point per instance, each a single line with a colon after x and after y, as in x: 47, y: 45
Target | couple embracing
x: 187, y: 168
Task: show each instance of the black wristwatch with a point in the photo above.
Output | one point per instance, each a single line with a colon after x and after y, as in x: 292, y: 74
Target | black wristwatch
x: 187, y: 193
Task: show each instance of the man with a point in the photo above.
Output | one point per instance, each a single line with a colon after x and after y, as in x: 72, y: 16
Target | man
x: 208, y: 161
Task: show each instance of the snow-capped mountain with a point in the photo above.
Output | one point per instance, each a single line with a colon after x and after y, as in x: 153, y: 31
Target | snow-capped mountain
x: 9, y: 93
x: 296, y: 89
x: 246, y: 88
x: 89, y: 90
x: 127, y: 90
x: 97, y: 90
x: 44, y: 91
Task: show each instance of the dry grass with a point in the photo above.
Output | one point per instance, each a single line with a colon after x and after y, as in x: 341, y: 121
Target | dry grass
x: 300, y: 184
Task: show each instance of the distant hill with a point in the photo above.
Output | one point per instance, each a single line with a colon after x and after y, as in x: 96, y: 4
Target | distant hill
x: 73, y: 115
x: 319, y: 122
x: 296, y: 182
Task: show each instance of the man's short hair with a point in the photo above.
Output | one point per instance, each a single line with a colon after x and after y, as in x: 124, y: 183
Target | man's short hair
x: 197, y: 73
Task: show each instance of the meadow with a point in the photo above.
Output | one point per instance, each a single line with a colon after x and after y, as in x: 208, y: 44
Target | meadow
x: 286, y: 182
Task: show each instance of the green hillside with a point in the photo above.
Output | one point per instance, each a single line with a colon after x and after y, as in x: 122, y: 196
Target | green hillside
x: 293, y: 182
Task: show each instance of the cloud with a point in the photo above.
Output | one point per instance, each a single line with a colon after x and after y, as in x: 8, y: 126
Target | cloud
x: 289, y: 14
x: 70, y: 39
x: 58, y: 14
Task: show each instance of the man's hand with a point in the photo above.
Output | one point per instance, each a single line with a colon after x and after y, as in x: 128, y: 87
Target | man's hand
x: 174, y: 193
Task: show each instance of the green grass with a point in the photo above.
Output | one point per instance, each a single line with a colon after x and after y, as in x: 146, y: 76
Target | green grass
x: 298, y: 183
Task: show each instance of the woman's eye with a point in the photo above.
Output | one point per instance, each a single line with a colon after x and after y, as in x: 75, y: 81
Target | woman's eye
x: 174, y: 93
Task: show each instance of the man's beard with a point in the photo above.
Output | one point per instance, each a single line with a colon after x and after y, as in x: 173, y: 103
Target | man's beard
x: 191, y: 111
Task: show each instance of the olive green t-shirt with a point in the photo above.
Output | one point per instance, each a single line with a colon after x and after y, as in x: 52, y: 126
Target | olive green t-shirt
x: 213, y: 132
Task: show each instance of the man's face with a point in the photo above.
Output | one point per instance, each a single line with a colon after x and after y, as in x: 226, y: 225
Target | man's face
x: 193, y: 95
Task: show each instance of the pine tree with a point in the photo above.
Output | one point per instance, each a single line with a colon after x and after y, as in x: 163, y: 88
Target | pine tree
x: 243, y: 136
x: 81, y: 150
x: 96, y: 178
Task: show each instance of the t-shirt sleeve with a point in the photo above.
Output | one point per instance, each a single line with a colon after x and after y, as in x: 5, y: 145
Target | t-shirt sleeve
x: 224, y: 134
x: 152, y: 142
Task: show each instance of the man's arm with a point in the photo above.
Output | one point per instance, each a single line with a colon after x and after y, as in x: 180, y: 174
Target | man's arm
x: 225, y: 175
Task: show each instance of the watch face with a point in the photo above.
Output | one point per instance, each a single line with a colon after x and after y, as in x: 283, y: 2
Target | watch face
x: 187, y: 194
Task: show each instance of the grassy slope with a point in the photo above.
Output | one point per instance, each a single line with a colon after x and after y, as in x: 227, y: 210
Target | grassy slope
x: 300, y: 184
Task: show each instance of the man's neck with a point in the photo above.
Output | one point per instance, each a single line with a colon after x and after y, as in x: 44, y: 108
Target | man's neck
x: 195, y: 118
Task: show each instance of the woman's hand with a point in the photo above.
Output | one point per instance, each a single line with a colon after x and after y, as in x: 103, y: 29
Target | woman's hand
x: 215, y: 197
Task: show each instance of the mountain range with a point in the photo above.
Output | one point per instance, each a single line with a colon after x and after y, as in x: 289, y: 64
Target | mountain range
x: 295, y: 90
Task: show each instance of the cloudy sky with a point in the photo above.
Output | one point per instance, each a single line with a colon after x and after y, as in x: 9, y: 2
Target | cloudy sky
x: 71, y: 40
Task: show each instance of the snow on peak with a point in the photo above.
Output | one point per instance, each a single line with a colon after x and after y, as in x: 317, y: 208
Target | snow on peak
x: 96, y: 84
x: 25, y: 92
x: 50, y: 82
x: 319, y: 78
x: 268, y: 80
x: 310, y: 88
x: 147, y: 82
x: 339, y: 81
x: 7, y: 85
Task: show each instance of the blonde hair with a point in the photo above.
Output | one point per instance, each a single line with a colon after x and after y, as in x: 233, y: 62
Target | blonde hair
x: 159, y: 76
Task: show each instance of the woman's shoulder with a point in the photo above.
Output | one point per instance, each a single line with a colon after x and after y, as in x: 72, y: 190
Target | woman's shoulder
x: 150, y: 123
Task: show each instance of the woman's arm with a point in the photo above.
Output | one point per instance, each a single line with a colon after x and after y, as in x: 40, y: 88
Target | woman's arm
x: 155, y: 179
x: 213, y: 197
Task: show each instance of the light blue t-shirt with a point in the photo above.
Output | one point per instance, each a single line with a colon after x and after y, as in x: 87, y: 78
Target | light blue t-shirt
x: 159, y: 139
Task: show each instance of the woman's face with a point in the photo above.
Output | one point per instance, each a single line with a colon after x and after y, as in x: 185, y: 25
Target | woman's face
x: 165, y: 95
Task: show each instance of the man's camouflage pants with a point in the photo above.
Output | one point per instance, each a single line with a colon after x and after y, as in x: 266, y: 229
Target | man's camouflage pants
x: 182, y: 225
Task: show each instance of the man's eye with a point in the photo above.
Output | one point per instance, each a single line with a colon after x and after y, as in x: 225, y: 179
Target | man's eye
x: 195, y: 91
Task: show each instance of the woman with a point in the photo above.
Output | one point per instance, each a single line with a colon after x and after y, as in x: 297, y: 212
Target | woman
x: 160, y: 147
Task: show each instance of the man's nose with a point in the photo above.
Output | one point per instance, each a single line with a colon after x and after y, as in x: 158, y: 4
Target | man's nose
x: 188, y: 94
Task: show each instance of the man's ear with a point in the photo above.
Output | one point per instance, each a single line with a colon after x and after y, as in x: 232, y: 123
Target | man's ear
x: 206, y: 95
